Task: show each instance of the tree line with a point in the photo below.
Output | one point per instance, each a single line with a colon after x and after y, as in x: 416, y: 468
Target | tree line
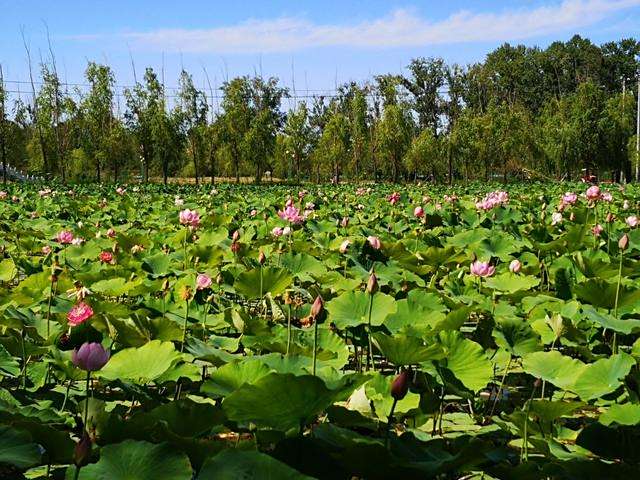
x: 523, y: 111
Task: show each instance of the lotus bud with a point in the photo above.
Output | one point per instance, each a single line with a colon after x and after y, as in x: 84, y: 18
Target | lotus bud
x: 235, y: 247
x: 236, y: 236
x: 262, y: 258
x: 610, y: 217
x: 317, y: 307
x: 400, y: 386
x: 82, y: 450
x: 219, y: 279
x: 623, y: 243
x: 372, y: 283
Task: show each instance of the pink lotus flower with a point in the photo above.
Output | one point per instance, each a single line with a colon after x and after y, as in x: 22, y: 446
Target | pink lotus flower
x: 253, y: 213
x: 492, y: 200
x: 64, y: 237
x: 515, y: 266
x: 3, y: 195
x: 593, y: 193
x: 451, y: 198
x: 190, y: 218
x: 77, y: 241
x: 569, y: 198
x: 80, y: 313
x: 111, y: 233
x: 106, y: 257
x: 286, y: 231
x: 291, y: 214
x: 482, y: 269
x: 203, y: 281
x: 276, y: 232
x: 375, y: 242
x: 178, y: 202
x: 625, y: 205
x: 46, y: 249
x: 394, y: 198
x: 90, y: 357
x: 597, y: 230
x: 418, y: 212
x: 632, y: 221
x: 344, y: 246
x: 120, y: 191
x: 606, y: 197
x: 556, y: 218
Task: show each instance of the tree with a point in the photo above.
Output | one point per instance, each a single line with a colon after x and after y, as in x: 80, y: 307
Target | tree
x: 97, y: 115
x: 236, y: 118
x: 191, y: 115
x: 333, y: 146
x: 617, y: 126
x: 298, y: 139
x: 266, y: 120
x: 143, y: 103
x: 427, y: 78
x: 359, y: 130
x: 393, y: 136
x: 424, y: 155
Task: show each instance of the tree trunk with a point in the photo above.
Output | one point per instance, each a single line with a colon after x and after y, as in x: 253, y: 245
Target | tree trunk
x: 195, y: 160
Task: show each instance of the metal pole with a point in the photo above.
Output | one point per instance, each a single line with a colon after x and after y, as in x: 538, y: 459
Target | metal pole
x: 638, y: 131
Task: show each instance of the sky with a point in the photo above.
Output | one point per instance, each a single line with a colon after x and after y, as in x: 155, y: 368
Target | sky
x: 309, y: 45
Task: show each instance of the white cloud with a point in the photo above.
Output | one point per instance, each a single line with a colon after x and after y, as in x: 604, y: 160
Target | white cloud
x: 402, y: 28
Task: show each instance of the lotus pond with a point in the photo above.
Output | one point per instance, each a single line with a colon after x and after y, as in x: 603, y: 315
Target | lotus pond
x: 338, y: 332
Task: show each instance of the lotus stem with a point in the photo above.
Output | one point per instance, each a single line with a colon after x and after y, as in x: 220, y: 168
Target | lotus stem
x: 289, y: 330
x: 504, y: 377
x: 389, y: 420
x: 370, y: 343
x: 315, y: 344
x: 184, y: 328
x: 615, y: 306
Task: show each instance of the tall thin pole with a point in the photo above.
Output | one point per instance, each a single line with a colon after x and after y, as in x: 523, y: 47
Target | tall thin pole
x: 638, y: 131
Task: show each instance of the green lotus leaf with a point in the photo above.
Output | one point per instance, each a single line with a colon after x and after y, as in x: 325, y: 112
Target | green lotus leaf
x: 143, y: 364
x: 228, y: 378
x: 17, y: 448
x: 621, y: 414
x: 406, y: 350
x: 8, y: 270
x: 254, y: 284
x: 134, y: 460
x: 237, y: 464
x: 466, y: 360
x: 282, y: 401
x: 588, y: 381
x: 352, y: 309
x: 511, y: 283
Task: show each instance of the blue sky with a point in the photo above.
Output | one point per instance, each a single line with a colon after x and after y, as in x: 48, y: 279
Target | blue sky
x: 317, y: 43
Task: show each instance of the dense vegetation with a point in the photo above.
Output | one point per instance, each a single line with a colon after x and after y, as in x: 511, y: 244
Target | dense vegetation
x: 539, y: 112
x: 178, y: 332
